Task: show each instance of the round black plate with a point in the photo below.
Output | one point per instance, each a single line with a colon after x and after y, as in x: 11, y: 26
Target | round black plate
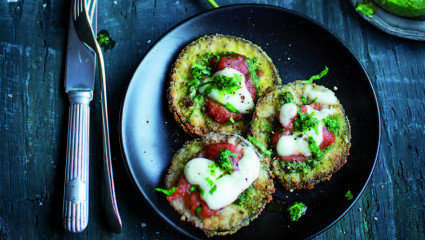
x: 299, y: 47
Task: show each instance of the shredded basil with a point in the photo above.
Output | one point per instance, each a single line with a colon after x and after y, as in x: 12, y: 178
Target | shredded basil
x: 198, y: 211
x: 209, y: 181
x: 213, y: 189
x: 260, y: 146
x: 318, y: 76
x: 168, y: 192
x: 231, y: 108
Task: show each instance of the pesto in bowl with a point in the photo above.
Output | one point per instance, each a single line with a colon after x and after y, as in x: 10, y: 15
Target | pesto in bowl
x: 403, y: 8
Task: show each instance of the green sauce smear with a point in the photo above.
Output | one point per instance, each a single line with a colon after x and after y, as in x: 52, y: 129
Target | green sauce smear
x: 404, y: 8
x: 296, y: 210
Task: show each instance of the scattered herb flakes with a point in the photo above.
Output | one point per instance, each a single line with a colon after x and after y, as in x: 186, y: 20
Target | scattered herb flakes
x: 349, y: 196
x: 168, y: 192
x: 105, y: 41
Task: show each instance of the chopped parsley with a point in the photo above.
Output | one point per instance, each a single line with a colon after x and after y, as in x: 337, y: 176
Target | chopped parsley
x: 332, y: 123
x: 318, y: 76
x: 223, y: 160
x: 168, y: 192
x: 349, y: 196
x: 231, y: 108
x: 260, y: 146
x: 296, y: 210
x: 231, y: 120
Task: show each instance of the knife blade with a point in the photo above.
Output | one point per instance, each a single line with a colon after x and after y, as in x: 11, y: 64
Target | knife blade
x: 80, y: 66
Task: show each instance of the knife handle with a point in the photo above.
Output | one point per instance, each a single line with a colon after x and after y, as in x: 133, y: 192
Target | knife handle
x: 75, y: 200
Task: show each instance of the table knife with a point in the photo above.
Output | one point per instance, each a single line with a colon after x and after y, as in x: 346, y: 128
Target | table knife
x: 79, y: 83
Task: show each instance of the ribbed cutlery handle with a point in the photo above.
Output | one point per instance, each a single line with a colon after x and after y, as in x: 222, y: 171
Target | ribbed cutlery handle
x: 76, y: 198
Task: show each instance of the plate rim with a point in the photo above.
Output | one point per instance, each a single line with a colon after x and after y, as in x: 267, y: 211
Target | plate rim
x: 129, y: 169
x: 379, y: 21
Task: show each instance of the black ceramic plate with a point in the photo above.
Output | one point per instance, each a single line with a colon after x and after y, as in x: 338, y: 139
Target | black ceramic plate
x: 410, y: 28
x: 299, y: 47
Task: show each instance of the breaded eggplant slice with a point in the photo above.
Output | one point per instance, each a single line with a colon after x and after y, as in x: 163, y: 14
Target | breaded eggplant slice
x: 189, y: 113
x: 231, y: 218
x: 265, y: 119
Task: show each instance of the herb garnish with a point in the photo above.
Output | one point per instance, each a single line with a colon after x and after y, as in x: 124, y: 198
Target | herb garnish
x: 253, y: 68
x: 304, y: 122
x: 260, y: 146
x: 318, y: 76
x: 198, y: 211
x: 223, y: 160
x: 231, y: 108
x: 223, y: 84
x: 245, y: 196
x: 332, y: 123
x: 213, y: 189
x: 296, y: 210
x: 349, y: 196
x: 168, y: 192
x: 104, y: 40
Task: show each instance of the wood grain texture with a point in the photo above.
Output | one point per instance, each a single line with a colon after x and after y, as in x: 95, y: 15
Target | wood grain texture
x: 33, y: 118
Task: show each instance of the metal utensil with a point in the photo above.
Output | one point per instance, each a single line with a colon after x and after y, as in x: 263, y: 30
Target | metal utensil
x: 85, y: 32
x: 79, y: 83
x: 75, y: 213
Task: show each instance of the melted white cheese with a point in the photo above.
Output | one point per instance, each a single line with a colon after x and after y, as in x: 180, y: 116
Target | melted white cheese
x: 297, y: 143
x: 287, y: 112
x: 324, y: 95
x: 228, y: 187
x: 241, y: 99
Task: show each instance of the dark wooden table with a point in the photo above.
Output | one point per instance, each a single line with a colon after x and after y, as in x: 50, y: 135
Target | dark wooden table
x: 34, y: 112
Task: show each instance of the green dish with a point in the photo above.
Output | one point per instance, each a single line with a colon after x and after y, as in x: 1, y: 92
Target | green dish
x: 403, y: 8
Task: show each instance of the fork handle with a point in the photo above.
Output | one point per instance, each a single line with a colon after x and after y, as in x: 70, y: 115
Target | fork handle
x: 75, y: 201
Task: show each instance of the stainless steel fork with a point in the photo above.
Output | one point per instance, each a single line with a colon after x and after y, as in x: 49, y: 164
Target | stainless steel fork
x: 84, y: 30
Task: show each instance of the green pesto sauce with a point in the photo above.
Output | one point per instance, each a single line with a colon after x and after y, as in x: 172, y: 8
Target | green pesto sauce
x: 296, y: 210
x: 368, y: 8
x: 404, y: 8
